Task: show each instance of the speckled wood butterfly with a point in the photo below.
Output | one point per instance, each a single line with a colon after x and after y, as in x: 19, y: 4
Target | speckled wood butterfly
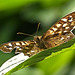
x: 58, y: 34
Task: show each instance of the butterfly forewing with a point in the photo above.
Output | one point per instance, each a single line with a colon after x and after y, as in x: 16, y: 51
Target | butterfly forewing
x: 20, y: 46
x: 63, y: 26
x: 60, y: 32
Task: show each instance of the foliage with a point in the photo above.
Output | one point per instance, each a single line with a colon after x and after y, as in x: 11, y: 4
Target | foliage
x: 45, y: 55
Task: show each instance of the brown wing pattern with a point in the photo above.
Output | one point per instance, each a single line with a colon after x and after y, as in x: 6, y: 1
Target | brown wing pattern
x: 20, y: 46
x: 58, y: 40
x: 63, y: 26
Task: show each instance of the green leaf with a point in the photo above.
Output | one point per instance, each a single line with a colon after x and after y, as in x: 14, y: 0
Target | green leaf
x: 70, y: 45
x: 10, y: 4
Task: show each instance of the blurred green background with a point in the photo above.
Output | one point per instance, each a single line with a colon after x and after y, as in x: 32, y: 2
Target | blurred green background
x: 24, y: 16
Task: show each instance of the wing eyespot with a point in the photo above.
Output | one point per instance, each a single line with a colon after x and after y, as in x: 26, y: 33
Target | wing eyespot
x: 8, y: 46
x: 69, y: 18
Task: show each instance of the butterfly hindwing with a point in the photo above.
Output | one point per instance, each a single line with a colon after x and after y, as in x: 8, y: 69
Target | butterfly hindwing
x: 58, y: 40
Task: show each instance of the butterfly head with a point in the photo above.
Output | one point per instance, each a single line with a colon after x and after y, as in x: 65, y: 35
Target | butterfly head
x: 39, y: 42
x: 37, y: 39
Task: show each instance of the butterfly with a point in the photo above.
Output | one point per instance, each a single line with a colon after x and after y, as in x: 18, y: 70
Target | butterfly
x: 58, y: 34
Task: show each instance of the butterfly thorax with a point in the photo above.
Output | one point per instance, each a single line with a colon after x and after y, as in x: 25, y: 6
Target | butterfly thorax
x: 39, y: 42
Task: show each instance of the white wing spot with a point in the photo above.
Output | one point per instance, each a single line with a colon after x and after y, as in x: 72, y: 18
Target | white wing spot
x: 51, y: 31
x: 28, y: 53
x: 68, y: 36
x: 32, y: 51
x: 54, y: 29
x: 23, y: 43
x: 17, y: 43
x: 20, y: 49
x: 9, y: 44
x: 10, y: 48
x: 64, y: 19
x: 4, y: 46
x: 65, y: 31
x: 62, y: 38
x: 70, y: 16
x: 58, y: 25
x: 70, y: 20
x: 67, y: 28
x: 64, y: 25
x: 17, y: 47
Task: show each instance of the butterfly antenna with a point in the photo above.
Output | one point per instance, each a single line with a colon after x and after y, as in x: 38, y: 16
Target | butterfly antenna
x: 24, y: 34
x: 37, y: 28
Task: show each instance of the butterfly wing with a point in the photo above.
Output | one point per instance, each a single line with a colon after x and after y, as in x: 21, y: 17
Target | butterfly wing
x: 62, y: 27
x: 58, y: 40
x: 60, y: 32
x: 20, y: 46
